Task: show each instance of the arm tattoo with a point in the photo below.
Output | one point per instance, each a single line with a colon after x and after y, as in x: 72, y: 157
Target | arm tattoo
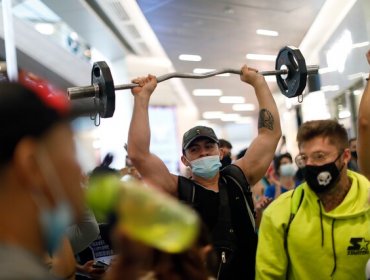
x: 265, y: 119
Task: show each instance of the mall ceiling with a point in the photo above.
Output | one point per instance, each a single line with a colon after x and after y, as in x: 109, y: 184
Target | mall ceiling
x: 222, y: 32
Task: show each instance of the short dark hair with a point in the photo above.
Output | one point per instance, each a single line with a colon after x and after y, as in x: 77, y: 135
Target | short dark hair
x: 224, y: 144
x: 277, y: 161
x: 330, y: 129
x: 351, y: 140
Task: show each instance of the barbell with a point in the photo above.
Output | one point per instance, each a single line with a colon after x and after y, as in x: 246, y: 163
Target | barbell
x: 290, y: 70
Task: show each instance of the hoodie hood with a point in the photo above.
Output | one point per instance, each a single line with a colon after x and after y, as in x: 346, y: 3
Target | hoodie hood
x: 355, y: 203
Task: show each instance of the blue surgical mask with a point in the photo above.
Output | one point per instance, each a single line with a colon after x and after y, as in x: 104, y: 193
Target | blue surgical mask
x: 53, y: 223
x: 206, y: 167
x: 287, y: 170
x: 53, y: 220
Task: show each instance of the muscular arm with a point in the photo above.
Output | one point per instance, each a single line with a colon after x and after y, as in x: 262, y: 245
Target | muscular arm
x: 151, y: 168
x: 363, y: 141
x: 261, y: 152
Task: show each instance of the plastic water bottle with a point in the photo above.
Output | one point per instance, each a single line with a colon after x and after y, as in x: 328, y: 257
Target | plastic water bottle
x: 144, y: 213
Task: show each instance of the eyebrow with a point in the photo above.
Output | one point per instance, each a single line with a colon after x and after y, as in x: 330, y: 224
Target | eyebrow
x: 208, y: 141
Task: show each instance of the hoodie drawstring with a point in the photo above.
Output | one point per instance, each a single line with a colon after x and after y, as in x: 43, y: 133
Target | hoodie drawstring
x: 321, y: 226
x: 332, y: 238
x: 333, y: 246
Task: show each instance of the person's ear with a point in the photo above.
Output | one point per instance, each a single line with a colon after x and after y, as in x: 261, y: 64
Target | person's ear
x: 25, y: 163
x: 346, y: 156
x: 185, y: 161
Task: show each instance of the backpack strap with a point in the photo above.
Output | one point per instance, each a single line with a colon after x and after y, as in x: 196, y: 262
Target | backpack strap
x: 234, y: 173
x: 295, y: 202
x: 186, y: 190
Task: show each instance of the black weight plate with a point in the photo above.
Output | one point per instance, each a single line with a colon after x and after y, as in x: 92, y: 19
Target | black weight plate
x: 296, y: 80
x: 106, y: 101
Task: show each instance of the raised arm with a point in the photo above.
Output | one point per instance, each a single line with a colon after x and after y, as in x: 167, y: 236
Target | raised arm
x: 151, y: 168
x: 261, y: 152
x: 363, y: 140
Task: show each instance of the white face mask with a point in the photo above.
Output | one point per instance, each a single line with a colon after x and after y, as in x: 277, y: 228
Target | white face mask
x: 206, y: 167
x: 53, y: 220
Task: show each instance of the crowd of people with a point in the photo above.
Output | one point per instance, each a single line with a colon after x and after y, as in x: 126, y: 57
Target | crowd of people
x: 263, y: 215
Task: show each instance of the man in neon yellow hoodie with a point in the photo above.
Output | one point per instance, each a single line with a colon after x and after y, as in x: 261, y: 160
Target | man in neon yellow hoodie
x: 321, y: 230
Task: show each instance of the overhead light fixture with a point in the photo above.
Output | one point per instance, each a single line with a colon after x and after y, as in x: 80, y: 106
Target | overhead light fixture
x: 190, y: 57
x: 244, y: 107
x: 212, y: 115
x: 230, y: 117
x: 356, y: 76
x: 266, y: 32
x: 360, y: 45
x: 207, y: 92
x: 327, y: 70
x: 45, y: 28
x: 263, y: 57
x: 330, y: 88
x: 244, y: 120
x: 270, y: 79
x: 202, y: 70
x: 232, y: 99
x: 344, y: 114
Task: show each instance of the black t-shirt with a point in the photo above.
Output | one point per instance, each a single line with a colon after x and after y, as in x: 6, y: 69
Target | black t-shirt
x: 207, y: 204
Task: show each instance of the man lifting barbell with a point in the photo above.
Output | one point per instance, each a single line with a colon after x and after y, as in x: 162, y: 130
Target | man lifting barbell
x: 222, y: 198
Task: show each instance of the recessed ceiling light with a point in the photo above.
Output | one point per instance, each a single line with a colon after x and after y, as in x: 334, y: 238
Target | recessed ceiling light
x: 244, y: 107
x: 264, y: 57
x: 270, y: 79
x: 344, y: 114
x: 45, y: 28
x: 265, y: 32
x: 327, y: 70
x: 357, y: 76
x: 232, y: 99
x: 202, y: 70
x: 212, y: 115
x: 230, y: 117
x: 360, y: 45
x: 207, y: 92
x: 330, y: 88
x: 244, y: 120
x: 190, y: 57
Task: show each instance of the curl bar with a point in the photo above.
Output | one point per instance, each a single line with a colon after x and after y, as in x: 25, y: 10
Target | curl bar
x: 291, y: 74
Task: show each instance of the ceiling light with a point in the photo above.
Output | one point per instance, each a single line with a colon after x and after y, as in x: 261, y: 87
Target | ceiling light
x: 270, y: 79
x: 327, y: 70
x: 330, y: 88
x: 265, y: 32
x: 224, y: 75
x: 202, y: 70
x: 360, y: 45
x: 244, y: 107
x: 244, y: 120
x: 212, y: 115
x: 232, y: 99
x: 230, y: 117
x: 264, y: 57
x: 45, y: 28
x: 207, y: 92
x: 344, y: 114
x: 356, y: 76
x: 190, y: 57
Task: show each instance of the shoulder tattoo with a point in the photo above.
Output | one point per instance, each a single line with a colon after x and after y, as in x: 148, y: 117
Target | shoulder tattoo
x: 265, y: 119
